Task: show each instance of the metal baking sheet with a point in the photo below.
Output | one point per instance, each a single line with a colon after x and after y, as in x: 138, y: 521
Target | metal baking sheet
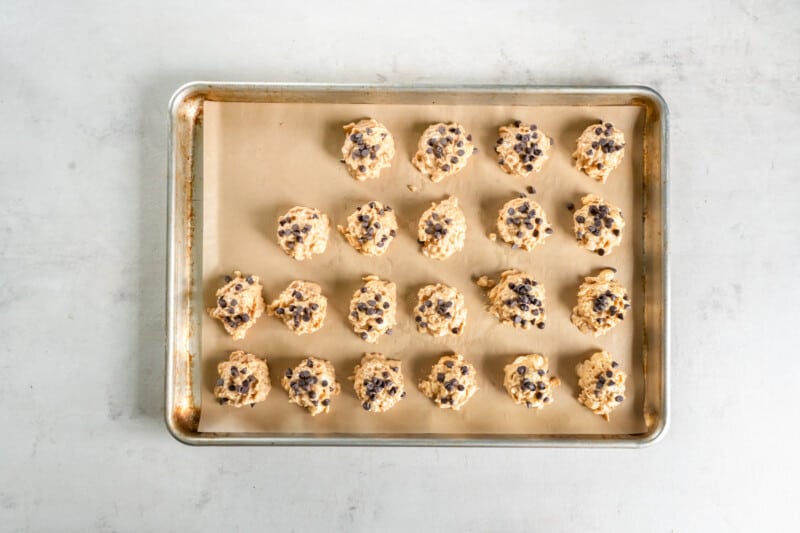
x: 252, y: 135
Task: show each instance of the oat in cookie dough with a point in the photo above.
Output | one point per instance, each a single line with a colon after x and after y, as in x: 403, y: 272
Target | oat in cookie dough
x: 371, y: 228
x: 602, y: 304
x: 442, y: 229
x: 522, y: 148
x: 517, y: 299
x: 602, y: 384
x: 451, y: 382
x: 303, y: 232
x: 378, y: 383
x: 440, y: 311
x: 443, y: 150
x: 523, y: 224
x: 312, y: 384
x: 243, y: 380
x: 373, y: 309
x: 600, y: 150
x: 368, y: 148
x: 239, y: 304
x: 598, y: 225
x: 301, y: 306
x: 528, y: 383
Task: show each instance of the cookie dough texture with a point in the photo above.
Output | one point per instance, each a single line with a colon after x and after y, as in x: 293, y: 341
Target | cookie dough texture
x: 243, y: 380
x: 442, y: 229
x: 378, y: 383
x: 528, y: 382
x: 451, y: 382
x: 517, y: 299
x: 443, y: 150
x: 602, y: 304
x: 373, y: 309
x: 368, y: 148
x: 522, y: 223
x: 303, y: 232
x: 440, y: 311
x: 600, y: 150
x: 598, y: 225
x: 371, y: 228
x: 311, y: 384
x: 602, y: 384
x: 522, y: 148
x: 239, y: 304
x: 301, y: 306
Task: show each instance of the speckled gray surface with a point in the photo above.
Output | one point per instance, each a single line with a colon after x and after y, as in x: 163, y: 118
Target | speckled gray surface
x: 83, y: 95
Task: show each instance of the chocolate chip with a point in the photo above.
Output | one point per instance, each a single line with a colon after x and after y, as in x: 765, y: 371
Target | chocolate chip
x: 521, y: 370
x: 570, y: 206
x: 220, y: 382
x: 618, y: 398
x: 440, y: 377
x: 326, y: 402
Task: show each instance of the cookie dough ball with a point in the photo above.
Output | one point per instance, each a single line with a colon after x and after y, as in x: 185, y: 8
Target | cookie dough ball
x: 440, y: 311
x: 243, y: 380
x: 600, y: 150
x: 378, y: 383
x: 451, y: 383
x: 442, y: 229
x: 239, y: 304
x: 373, y: 309
x: 523, y: 224
x: 517, y: 299
x: 301, y: 306
x: 602, y: 384
x: 312, y: 384
x: 602, y: 303
x: 371, y: 228
x: 598, y: 225
x: 303, y: 232
x: 527, y: 382
x: 443, y: 150
x: 522, y: 148
x: 368, y: 149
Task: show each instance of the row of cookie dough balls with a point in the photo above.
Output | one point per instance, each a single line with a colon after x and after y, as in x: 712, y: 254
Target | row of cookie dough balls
x: 445, y: 148
x: 379, y: 383
x: 516, y: 299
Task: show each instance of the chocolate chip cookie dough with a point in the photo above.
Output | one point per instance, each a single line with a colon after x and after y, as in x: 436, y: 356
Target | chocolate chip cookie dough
x: 303, y: 232
x: 443, y: 150
x: 243, y: 380
x: 239, y: 304
x: 602, y: 384
x: 312, y: 385
x: 600, y: 150
x: 442, y: 229
x: 528, y: 383
x: 440, y: 311
x: 602, y: 303
x: 301, y: 306
x: 523, y: 224
x: 373, y: 309
x: 378, y: 383
x: 517, y: 299
x: 598, y: 225
x: 522, y: 148
x: 371, y: 228
x: 451, y: 382
x: 368, y: 148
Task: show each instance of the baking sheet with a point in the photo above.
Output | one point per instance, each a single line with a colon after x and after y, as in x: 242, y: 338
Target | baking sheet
x: 261, y: 159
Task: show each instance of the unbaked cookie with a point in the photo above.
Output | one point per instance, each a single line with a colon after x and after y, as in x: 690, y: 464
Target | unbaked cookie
x: 443, y: 150
x: 373, y: 309
x: 303, y: 232
x: 239, y: 304
x: 301, y: 306
x: 523, y: 224
x: 442, y: 229
x: 451, y: 382
x: 522, y: 148
x: 378, y: 383
x: 602, y: 384
x: 517, y: 299
x: 602, y: 303
x: 528, y: 383
x: 243, y: 380
x: 311, y: 384
x: 598, y: 225
x: 600, y: 150
x: 368, y: 149
x: 371, y: 228
x: 440, y: 311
